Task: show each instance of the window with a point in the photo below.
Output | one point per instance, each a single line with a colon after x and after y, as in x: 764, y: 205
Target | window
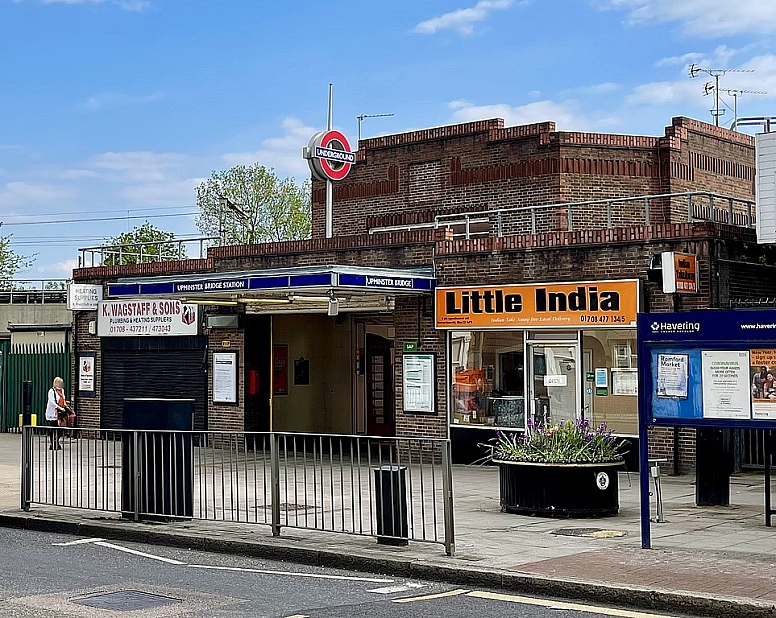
x: 488, y: 374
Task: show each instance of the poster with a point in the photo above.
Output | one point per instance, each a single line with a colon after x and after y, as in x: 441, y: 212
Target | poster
x: 224, y: 377
x: 726, y: 391
x: 280, y: 370
x: 86, y: 380
x: 419, y: 383
x: 625, y: 382
x: 672, y: 375
x: 762, y: 369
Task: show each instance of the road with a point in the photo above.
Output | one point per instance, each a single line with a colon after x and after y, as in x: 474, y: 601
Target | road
x: 47, y: 575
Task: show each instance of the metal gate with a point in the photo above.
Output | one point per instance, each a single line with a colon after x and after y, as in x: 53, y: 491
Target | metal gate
x: 39, y: 364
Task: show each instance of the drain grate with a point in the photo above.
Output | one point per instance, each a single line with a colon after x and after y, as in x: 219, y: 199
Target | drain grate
x: 126, y: 600
x: 593, y: 533
x: 288, y: 506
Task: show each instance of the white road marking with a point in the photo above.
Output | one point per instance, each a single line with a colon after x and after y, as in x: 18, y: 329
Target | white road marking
x: 139, y: 553
x: 78, y: 542
x: 429, y: 597
x: 578, y: 607
x: 393, y: 589
x: 298, y: 616
x: 311, y: 575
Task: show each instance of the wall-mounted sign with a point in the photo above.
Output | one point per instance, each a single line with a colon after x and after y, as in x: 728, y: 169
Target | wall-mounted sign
x: 224, y: 377
x: 410, y: 346
x: 766, y: 187
x: 610, y: 304
x: 302, y: 371
x: 86, y: 377
x: 419, y: 383
x: 83, y: 296
x: 153, y: 317
x: 601, y: 377
x: 328, y: 155
x: 280, y: 370
x: 680, y: 273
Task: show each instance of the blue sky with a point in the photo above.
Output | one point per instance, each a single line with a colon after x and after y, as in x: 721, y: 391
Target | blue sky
x: 119, y: 108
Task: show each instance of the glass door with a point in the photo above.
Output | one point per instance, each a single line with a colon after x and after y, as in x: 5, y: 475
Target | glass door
x: 553, y: 387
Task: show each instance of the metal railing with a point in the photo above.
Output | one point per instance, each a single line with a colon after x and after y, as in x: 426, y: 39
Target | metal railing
x: 598, y: 214
x: 144, y: 252
x: 34, y: 292
x: 395, y: 489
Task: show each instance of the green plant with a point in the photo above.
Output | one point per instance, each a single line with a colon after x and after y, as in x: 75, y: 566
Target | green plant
x: 566, y: 442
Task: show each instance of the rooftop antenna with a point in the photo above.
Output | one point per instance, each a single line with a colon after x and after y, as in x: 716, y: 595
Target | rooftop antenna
x: 361, y: 118
x: 708, y: 88
x: 735, y: 93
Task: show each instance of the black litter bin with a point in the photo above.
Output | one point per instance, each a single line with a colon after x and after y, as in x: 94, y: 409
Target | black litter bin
x: 391, y: 505
x: 165, y: 459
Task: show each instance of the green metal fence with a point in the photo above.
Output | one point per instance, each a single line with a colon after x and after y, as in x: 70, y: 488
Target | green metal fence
x: 39, y: 364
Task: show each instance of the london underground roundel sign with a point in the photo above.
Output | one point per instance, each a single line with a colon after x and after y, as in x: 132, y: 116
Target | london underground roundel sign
x: 329, y: 155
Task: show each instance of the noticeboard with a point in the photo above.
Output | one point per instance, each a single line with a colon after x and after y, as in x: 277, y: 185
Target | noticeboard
x: 713, y: 368
x: 419, y: 383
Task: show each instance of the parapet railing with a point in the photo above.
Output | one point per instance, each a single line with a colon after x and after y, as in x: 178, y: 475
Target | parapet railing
x: 596, y: 214
x: 395, y: 489
x: 145, y: 252
x: 33, y: 292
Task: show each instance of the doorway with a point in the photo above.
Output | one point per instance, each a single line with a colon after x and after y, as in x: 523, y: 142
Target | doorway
x: 553, y: 380
x: 380, y: 413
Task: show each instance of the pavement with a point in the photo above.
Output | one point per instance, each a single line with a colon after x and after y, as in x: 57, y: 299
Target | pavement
x: 705, y: 561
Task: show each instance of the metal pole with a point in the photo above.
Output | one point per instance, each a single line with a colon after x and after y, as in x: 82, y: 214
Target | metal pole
x: 447, y: 488
x: 136, y: 475
x: 716, y: 97
x: 329, y: 184
x: 26, y: 469
x: 274, y: 458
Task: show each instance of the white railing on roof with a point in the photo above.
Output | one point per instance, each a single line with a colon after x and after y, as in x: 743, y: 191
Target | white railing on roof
x: 145, y: 252
x: 592, y: 214
x: 33, y: 291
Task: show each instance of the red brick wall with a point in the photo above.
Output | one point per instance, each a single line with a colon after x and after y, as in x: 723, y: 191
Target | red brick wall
x: 221, y: 416
x: 87, y: 408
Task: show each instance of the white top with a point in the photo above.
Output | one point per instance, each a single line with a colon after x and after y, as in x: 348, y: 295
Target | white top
x: 51, y: 404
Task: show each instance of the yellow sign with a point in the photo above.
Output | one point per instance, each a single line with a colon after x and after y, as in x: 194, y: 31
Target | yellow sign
x: 226, y: 344
x: 556, y: 305
x: 680, y: 273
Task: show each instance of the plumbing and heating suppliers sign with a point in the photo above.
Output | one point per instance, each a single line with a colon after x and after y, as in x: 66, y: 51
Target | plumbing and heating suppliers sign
x: 157, y: 317
x: 83, y: 296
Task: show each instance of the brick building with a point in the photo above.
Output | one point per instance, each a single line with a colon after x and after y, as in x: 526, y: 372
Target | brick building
x: 481, y: 212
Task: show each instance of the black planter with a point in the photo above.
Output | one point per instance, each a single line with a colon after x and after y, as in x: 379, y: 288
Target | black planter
x: 559, y: 490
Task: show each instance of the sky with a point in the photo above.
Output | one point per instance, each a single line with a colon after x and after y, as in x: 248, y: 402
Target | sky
x: 113, y: 111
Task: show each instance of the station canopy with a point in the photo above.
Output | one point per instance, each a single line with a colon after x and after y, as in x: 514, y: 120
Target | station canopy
x: 311, y: 289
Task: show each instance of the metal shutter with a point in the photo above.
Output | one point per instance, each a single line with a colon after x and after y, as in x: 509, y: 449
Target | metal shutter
x: 166, y: 367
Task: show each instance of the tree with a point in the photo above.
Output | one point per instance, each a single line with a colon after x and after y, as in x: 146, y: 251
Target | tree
x: 128, y: 248
x: 11, y: 262
x: 250, y: 204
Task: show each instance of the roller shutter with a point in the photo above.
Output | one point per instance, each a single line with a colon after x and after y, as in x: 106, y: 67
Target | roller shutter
x: 165, y: 367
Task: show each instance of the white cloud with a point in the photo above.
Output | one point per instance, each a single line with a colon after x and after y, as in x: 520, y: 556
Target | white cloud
x: 283, y: 153
x: 462, y: 20
x: 76, y: 174
x: 172, y: 192
x: 115, y: 99
x: 59, y: 270
x: 19, y: 193
x: 702, y: 17
x: 758, y: 74
x: 718, y: 59
x: 136, y: 167
x: 565, y: 114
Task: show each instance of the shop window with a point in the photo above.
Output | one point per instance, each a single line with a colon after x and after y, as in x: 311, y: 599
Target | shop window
x: 488, y: 376
x: 610, y: 354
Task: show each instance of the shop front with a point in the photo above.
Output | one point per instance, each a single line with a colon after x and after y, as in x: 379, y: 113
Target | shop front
x: 531, y: 352
x: 306, y: 349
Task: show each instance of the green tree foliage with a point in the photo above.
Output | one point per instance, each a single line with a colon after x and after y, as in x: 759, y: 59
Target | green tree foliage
x: 128, y: 248
x: 250, y: 204
x: 11, y: 262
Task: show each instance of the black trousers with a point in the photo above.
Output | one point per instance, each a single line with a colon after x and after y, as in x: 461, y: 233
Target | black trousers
x: 54, y: 434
